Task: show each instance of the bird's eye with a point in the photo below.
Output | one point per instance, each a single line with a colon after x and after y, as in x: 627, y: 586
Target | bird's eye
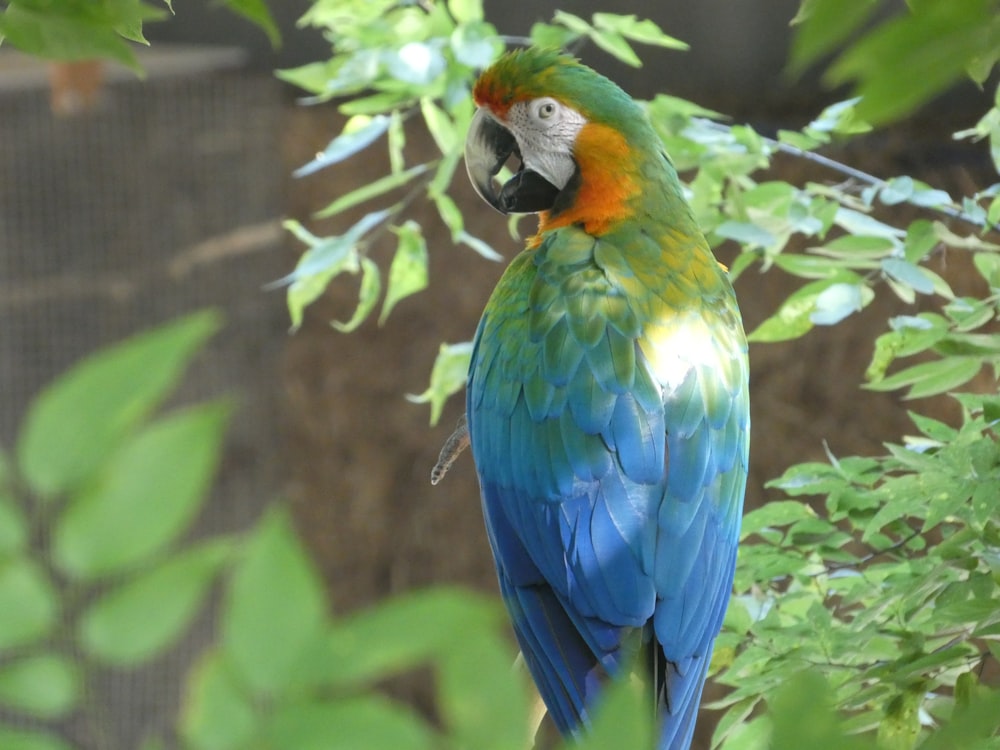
x: 545, y: 109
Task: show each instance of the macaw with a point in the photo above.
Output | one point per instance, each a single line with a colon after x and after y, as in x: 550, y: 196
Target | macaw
x: 607, y: 398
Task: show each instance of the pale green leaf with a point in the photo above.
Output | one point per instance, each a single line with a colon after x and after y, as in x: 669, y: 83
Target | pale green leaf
x: 416, y: 63
x: 275, y: 606
x: 642, y: 31
x: 408, y: 272
x: 929, y: 378
x: 348, y: 723
x: 28, y: 603
x: 46, y: 686
x: 145, y: 615
x: 440, y: 125
x: 448, y: 376
x: 149, y: 494
x: 909, y: 274
x: 30, y: 739
x: 217, y: 714
x: 371, y: 287
x: 75, y: 424
x: 836, y: 302
x: 358, y: 134
x: 371, y: 190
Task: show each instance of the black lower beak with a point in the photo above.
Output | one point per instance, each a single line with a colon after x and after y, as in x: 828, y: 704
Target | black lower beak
x: 487, y: 148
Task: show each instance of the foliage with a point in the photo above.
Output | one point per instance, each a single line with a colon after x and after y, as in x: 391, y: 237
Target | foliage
x: 887, y: 588
x: 105, y: 29
x: 906, y: 58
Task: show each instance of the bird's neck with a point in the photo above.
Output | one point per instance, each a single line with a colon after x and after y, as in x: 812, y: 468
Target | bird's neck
x: 614, y: 184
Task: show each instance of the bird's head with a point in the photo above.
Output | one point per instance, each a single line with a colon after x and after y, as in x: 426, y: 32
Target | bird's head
x: 541, y: 107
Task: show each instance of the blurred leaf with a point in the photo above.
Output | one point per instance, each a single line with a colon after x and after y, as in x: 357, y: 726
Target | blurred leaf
x: 643, y: 31
x: 139, y: 619
x: 475, y: 44
x: 466, y: 11
x: 794, y: 317
x: 408, y: 272
x: 909, y: 274
x: 822, y: 25
x: 913, y: 56
x: 837, y: 302
x: 448, y: 376
x: 348, y: 724
x: 13, y: 525
x: 930, y: 378
x: 359, y: 132
x: 484, y: 705
x: 216, y: 714
x: 371, y: 190
x: 416, y: 63
x: 325, y: 259
x: 624, y: 720
x: 440, y: 126
x: 46, y: 686
x: 64, y: 34
x: 257, y: 12
x: 275, y: 606
x: 76, y: 423
x: 28, y: 603
x: 149, y: 495
x: 26, y: 739
x: 371, y: 287
x: 410, y: 630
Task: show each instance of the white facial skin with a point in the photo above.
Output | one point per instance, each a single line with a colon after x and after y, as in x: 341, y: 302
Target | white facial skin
x: 546, y: 131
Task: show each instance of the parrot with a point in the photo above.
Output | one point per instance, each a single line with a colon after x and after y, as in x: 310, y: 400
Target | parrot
x: 607, y: 397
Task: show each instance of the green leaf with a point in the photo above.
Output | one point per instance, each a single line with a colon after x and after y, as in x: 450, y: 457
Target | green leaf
x: 348, y: 724
x: 358, y: 134
x: 644, y: 31
x: 408, y: 272
x: 147, y: 497
x: 794, y: 317
x: 466, y: 11
x: 416, y: 63
x: 484, y: 705
x: 441, y: 127
x: 217, y: 714
x: 837, y: 302
x: 371, y: 287
x: 371, y: 190
x: 75, y: 424
x: 930, y: 378
x: 325, y: 259
x: 139, y: 619
x: 822, y: 25
x: 550, y: 36
x: 475, y: 44
x: 624, y: 720
x: 776, y: 513
x: 46, y: 686
x: 257, y: 12
x: 746, y: 233
x: 28, y: 603
x: 28, y: 739
x: 909, y: 274
x: 448, y: 376
x: 13, y: 525
x: 410, y: 630
x: 47, y: 32
x: 275, y: 606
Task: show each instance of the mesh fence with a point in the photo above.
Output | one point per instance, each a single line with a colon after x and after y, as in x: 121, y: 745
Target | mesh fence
x: 161, y: 200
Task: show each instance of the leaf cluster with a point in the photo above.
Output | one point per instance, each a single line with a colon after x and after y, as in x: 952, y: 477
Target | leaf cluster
x: 99, y: 29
